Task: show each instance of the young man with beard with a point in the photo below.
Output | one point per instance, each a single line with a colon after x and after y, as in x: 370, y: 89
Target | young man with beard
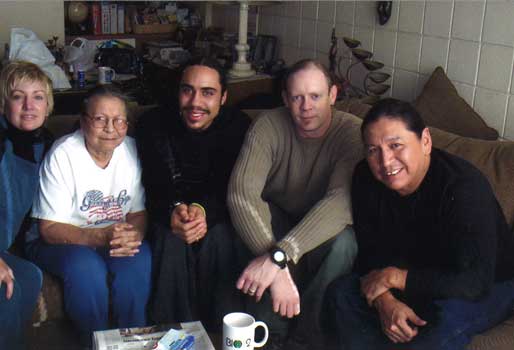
x: 434, y: 265
x: 289, y: 198
x: 187, y: 153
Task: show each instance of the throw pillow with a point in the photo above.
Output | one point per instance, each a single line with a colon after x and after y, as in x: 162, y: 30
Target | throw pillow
x: 441, y: 106
x: 495, y: 159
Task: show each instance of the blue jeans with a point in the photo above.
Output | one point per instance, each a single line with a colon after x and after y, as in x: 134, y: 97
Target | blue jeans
x: 17, y: 311
x: 90, y: 277
x: 358, y: 325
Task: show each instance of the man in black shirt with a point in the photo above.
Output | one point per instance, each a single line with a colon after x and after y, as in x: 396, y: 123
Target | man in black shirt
x: 433, y: 266
x: 187, y: 154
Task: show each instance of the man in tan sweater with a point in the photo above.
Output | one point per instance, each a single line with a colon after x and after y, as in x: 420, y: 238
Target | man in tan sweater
x: 289, y: 199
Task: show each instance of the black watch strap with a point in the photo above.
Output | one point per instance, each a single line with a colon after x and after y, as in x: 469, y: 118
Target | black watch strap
x: 173, y: 205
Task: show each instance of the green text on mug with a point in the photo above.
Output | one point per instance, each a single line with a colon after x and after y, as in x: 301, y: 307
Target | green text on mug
x: 239, y: 332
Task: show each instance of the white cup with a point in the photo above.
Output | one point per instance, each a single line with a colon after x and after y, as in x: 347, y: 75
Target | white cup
x: 239, y: 332
x: 106, y: 75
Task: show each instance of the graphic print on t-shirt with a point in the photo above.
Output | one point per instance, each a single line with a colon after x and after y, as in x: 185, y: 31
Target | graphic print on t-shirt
x: 102, y: 208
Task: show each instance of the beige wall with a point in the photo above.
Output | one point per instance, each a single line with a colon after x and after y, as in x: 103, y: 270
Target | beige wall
x: 472, y: 40
x: 43, y: 17
x: 227, y: 16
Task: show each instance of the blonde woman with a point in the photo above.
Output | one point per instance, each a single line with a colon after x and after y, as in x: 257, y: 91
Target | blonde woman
x: 25, y: 102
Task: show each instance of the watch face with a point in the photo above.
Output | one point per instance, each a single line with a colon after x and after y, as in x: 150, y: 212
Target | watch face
x: 279, y: 256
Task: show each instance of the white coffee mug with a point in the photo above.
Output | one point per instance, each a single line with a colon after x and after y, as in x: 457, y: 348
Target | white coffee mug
x: 106, y: 75
x: 239, y: 332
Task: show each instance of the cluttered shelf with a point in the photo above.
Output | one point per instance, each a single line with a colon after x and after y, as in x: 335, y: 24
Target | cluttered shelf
x: 135, y: 45
x: 146, y: 36
x: 139, y: 40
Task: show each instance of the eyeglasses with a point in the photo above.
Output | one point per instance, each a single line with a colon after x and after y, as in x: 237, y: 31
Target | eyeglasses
x: 101, y: 122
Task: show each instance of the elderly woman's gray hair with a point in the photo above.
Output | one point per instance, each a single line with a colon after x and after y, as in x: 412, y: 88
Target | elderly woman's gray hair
x: 103, y: 91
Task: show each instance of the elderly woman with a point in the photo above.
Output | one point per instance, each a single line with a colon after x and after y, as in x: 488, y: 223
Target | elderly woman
x: 91, y: 215
x: 25, y: 102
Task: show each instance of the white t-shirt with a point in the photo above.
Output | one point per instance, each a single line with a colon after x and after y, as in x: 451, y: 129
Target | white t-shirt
x: 74, y: 190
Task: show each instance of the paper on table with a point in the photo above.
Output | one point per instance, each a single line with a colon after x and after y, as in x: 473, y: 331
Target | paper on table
x: 145, y: 338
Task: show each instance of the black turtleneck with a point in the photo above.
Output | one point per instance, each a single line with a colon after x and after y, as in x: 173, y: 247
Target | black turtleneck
x: 23, y: 141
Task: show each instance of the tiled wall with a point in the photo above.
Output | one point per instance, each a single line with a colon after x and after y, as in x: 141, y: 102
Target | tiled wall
x: 472, y: 40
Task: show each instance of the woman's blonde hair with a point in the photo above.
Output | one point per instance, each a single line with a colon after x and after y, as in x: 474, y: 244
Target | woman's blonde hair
x: 21, y: 71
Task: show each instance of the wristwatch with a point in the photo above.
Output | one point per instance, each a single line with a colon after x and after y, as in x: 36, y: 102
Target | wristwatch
x: 279, y: 257
x: 177, y: 203
x: 173, y: 205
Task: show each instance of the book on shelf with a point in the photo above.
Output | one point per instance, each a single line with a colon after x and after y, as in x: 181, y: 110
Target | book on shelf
x: 113, y: 18
x: 147, y: 338
x: 121, y: 18
x: 96, y: 19
x: 106, y: 21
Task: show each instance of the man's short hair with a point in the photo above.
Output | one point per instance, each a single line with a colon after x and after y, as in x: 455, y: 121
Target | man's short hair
x: 213, y: 64
x: 305, y: 64
x: 391, y: 108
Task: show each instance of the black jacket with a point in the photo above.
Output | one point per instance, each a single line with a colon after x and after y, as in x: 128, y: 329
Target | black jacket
x: 183, y: 165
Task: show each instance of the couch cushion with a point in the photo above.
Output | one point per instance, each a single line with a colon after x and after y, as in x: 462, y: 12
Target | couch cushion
x: 441, y: 106
x: 50, y: 305
x: 500, y: 337
x: 494, y: 158
x: 353, y: 106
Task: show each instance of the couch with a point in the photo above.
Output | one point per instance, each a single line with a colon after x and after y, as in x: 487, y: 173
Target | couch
x: 494, y: 158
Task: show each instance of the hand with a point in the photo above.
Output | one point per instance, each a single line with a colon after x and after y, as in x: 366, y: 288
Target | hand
x: 284, y: 294
x: 124, y: 240
x: 394, y: 316
x: 7, y: 277
x: 377, y: 282
x: 257, y: 276
x: 188, y: 223
x: 195, y: 212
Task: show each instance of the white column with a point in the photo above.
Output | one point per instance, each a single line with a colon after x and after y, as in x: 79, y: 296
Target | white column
x: 242, y: 68
x: 208, y: 15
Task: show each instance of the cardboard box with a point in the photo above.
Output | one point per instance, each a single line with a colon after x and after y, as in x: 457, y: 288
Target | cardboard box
x: 154, y: 28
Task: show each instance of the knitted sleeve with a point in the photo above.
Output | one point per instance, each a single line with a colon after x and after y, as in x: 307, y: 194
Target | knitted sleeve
x: 250, y: 213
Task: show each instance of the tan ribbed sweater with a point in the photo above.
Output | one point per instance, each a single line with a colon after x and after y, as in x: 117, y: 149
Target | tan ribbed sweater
x: 309, y: 179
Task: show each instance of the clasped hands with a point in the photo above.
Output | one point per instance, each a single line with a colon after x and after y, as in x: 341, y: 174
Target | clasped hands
x: 124, y: 240
x: 399, y: 322
x: 262, y: 273
x: 188, y: 222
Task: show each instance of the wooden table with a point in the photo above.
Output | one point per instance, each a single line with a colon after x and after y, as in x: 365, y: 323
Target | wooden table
x: 69, y: 101
x: 241, y: 89
x: 216, y: 339
x: 160, y: 84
